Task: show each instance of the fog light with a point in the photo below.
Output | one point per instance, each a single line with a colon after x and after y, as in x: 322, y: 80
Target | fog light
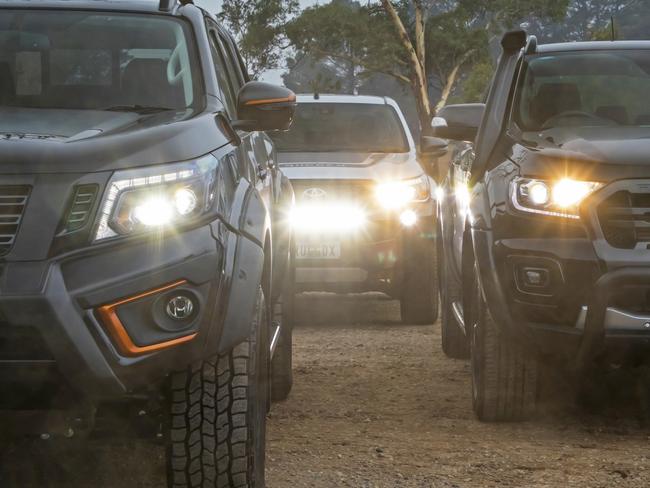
x: 180, y: 308
x: 536, y: 277
x: 408, y: 218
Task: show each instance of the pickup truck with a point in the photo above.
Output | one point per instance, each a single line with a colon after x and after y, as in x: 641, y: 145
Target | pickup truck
x: 545, y: 220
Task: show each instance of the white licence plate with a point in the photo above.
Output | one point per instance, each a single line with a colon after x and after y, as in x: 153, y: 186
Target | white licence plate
x: 322, y: 250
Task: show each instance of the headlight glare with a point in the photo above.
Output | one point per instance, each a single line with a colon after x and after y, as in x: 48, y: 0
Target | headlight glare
x: 153, y: 212
x: 157, y: 197
x: 394, y: 195
x: 561, y: 198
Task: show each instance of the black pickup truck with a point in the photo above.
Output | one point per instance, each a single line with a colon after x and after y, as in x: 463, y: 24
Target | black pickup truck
x: 545, y: 219
x: 143, y: 247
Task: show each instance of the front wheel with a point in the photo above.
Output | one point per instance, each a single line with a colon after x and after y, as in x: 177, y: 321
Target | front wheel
x: 504, y: 376
x: 419, y: 300
x: 217, y: 416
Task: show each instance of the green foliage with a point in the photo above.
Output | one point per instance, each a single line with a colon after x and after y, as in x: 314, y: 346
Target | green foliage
x: 452, y: 39
x: 259, y: 26
x: 356, y: 38
x: 477, y: 83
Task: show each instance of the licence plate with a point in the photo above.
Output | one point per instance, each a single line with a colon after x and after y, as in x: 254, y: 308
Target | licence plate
x: 329, y: 250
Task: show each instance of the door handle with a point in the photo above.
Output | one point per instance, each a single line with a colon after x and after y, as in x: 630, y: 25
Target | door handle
x: 262, y: 172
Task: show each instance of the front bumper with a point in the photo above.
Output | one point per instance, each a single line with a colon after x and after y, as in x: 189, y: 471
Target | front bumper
x: 370, y: 259
x: 59, y: 300
x: 593, y: 298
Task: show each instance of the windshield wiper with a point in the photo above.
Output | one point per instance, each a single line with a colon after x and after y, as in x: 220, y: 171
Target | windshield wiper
x: 140, y: 109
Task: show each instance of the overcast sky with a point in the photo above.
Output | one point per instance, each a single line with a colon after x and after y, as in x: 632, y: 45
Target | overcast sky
x: 214, y: 5
x: 274, y: 76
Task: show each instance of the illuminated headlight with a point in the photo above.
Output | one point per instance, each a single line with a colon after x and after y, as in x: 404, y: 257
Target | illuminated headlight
x: 560, y: 198
x: 315, y: 218
x: 394, y: 195
x: 158, y: 197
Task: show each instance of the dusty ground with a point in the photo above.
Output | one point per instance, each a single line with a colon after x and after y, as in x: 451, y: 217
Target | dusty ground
x: 376, y: 404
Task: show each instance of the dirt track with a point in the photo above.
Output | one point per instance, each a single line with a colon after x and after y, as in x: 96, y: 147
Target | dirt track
x: 376, y: 404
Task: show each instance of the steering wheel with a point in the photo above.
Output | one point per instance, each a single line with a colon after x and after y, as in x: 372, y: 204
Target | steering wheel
x: 175, y: 68
x: 550, y: 123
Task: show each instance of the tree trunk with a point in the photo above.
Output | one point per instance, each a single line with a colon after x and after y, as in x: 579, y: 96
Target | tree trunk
x: 449, y: 86
x: 450, y: 82
x: 418, y: 75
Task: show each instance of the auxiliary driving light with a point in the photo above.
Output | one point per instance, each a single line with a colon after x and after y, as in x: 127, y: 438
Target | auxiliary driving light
x: 328, y: 218
x: 408, y: 218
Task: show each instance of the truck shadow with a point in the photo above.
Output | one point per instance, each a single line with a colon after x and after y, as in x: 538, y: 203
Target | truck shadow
x: 336, y: 311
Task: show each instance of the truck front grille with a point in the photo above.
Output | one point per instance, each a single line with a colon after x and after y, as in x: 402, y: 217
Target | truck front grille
x: 625, y: 220
x: 13, y: 200
x: 361, y: 191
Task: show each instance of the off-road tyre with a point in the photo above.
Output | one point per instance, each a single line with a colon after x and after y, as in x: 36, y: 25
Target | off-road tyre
x: 505, y: 377
x: 217, y: 416
x: 282, y: 362
x: 419, y: 297
x: 455, y: 344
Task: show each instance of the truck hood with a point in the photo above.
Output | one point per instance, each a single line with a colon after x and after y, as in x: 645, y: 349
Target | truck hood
x: 83, y: 141
x: 599, y: 152
x: 349, y: 166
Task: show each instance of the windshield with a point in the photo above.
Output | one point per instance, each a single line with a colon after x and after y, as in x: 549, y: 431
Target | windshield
x: 90, y: 60
x: 585, y: 89
x: 332, y: 127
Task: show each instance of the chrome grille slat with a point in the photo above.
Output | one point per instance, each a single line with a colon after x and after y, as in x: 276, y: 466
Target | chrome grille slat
x: 13, y: 200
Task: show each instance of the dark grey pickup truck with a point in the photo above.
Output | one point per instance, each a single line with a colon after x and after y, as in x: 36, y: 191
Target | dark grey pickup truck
x: 143, y: 252
x: 544, y: 220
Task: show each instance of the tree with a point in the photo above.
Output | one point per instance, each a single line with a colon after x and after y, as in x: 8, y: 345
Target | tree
x: 259, y: 27
x: 424, y: 44
x: 353, y: 40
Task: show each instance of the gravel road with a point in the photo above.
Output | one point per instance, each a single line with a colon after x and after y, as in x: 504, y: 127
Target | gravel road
x: 376, y: 404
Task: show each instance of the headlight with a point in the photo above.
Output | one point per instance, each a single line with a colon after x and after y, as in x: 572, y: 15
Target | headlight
x: 394, y: 195
x: 560, y: 198
x: 157, y: 197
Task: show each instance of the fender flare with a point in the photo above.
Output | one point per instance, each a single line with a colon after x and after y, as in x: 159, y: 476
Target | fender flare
x: 246, y: 261
x: 283, y: 238
x: 481, y: 246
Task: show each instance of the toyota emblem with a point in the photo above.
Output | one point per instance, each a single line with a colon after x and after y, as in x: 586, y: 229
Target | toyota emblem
x: 314, y: 193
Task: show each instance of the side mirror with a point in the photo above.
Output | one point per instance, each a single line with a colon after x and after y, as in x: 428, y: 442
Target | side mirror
x: 433, y: 146
x: 459, y: 122
x: 262, y: 106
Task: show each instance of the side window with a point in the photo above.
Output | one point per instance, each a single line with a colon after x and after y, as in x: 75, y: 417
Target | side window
x: 239, y: 78
x: 232, y: 65
x: 221, y: 68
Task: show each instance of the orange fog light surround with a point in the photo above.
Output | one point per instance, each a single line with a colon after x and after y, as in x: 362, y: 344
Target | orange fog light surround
x: 108, y: 316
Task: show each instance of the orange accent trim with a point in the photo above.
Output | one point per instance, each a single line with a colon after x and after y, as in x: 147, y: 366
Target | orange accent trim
x: 109, y: 317
x: 269, y: 101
